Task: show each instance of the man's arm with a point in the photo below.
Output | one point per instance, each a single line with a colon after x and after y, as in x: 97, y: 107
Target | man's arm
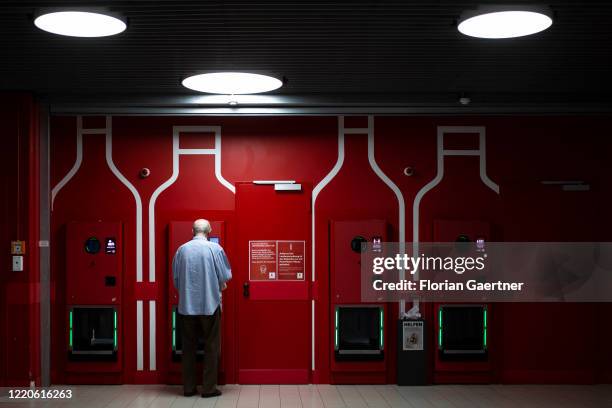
x: 223, y: 269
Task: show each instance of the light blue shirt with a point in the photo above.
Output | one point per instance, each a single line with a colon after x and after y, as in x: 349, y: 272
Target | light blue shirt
x: 200, y: 268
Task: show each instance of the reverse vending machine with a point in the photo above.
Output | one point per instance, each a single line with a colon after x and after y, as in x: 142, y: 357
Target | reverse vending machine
x: 94, y: 269
x: 461, y: 330
x: 359, y: 330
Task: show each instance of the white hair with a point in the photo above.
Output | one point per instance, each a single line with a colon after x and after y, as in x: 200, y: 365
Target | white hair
x: 201, y: 227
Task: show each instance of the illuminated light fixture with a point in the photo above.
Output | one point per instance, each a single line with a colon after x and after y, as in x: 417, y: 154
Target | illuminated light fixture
x: 440, y: 328
x: 505, y: 21
x: 336, y: 330
x: 232, y: 83
x: 70, y: 337
x: 80, y: 22
x: 382, y: 329
x: 484, y: 328
x: 115, y: 331
x: 174, y: 330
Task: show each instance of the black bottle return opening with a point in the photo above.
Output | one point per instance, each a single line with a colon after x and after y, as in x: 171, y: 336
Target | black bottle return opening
x: 359, y: 333
x: 92, y: 333
x: 462, y: 332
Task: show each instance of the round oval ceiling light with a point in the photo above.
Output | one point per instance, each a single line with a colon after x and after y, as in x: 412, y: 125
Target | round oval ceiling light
x: 232, y: 83
x: 80, y: 23
x: 504, y: 22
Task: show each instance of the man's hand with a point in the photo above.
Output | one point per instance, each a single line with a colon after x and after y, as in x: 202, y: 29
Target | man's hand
x: 224, y: 286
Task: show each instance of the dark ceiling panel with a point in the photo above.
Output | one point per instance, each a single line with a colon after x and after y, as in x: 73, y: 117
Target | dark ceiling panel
x: 322, y: 47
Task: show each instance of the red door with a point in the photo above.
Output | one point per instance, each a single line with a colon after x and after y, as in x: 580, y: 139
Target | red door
x: 274, y: 312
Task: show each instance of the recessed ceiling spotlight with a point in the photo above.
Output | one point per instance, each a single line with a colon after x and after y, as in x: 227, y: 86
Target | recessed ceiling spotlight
x: 505, y: 21
x: 80, y: 22
x: 232, y: 83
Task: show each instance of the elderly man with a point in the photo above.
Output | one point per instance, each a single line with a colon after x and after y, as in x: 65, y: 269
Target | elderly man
x: 200, y: 270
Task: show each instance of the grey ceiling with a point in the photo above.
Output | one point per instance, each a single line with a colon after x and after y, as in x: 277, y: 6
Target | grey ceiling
x: 393, y: 49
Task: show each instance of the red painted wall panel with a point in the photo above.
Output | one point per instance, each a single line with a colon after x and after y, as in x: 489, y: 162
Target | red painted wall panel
x: 521, y: 151
x: 19, y: 301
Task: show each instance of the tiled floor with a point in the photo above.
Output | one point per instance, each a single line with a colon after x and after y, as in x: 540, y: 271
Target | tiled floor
x: 332, y: 396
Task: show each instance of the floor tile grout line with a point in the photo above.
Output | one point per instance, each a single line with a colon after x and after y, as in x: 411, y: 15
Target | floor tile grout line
x: 342, y: 397
x: 381, y: 396
x: 445, y: 396
x: 362, y: 397
x: 300, y: 395
x: 387, y: 400
x: 259, y: 396
x: 407, y: 400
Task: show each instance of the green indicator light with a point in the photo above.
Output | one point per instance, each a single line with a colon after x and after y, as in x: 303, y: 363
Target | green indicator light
x: 336, y: 331
x: 70, y: 331
x: 115, y: 319
x: 174, y: 330
x: 440, y: 328
x: 382, y: 342
x: 484, y: 331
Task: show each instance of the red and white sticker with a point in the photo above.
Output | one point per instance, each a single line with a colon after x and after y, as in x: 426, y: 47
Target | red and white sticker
x: 277, y: 260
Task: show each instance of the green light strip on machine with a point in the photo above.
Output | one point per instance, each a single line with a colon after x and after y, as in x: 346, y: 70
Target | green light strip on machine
x: 174, y: 330
x: 115, y: 317
x: 382, y: 329
x: 484, y: 331
x: 440, y: 328
x: 336, y: 331
x: 70, y: 331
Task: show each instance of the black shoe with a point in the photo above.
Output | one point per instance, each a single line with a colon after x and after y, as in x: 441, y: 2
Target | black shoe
x: 215, y: 393
x: 190, y: 393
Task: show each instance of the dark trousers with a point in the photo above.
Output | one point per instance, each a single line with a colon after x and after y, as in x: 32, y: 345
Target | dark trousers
x: 210, y: 327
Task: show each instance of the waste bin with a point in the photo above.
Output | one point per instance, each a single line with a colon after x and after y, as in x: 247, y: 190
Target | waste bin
x: 412, y: 352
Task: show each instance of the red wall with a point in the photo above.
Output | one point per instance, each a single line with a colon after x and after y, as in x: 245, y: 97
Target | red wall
x: 521, y: 151
x: 19, y: 307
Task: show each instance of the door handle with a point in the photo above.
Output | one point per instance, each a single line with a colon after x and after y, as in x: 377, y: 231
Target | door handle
x: 245, y: 289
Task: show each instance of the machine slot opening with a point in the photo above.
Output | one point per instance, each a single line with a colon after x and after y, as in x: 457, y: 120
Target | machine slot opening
x: 359, y: 333
x: 462, y: 332
x: 92, y: 333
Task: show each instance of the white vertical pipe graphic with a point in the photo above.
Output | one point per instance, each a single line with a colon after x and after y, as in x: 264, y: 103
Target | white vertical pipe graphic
x: 152, y: 340
x: 77, y: 161
x: 401, y: 207
x: 133, y: 190
x: 315, y: 193
x: 139, y: 332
